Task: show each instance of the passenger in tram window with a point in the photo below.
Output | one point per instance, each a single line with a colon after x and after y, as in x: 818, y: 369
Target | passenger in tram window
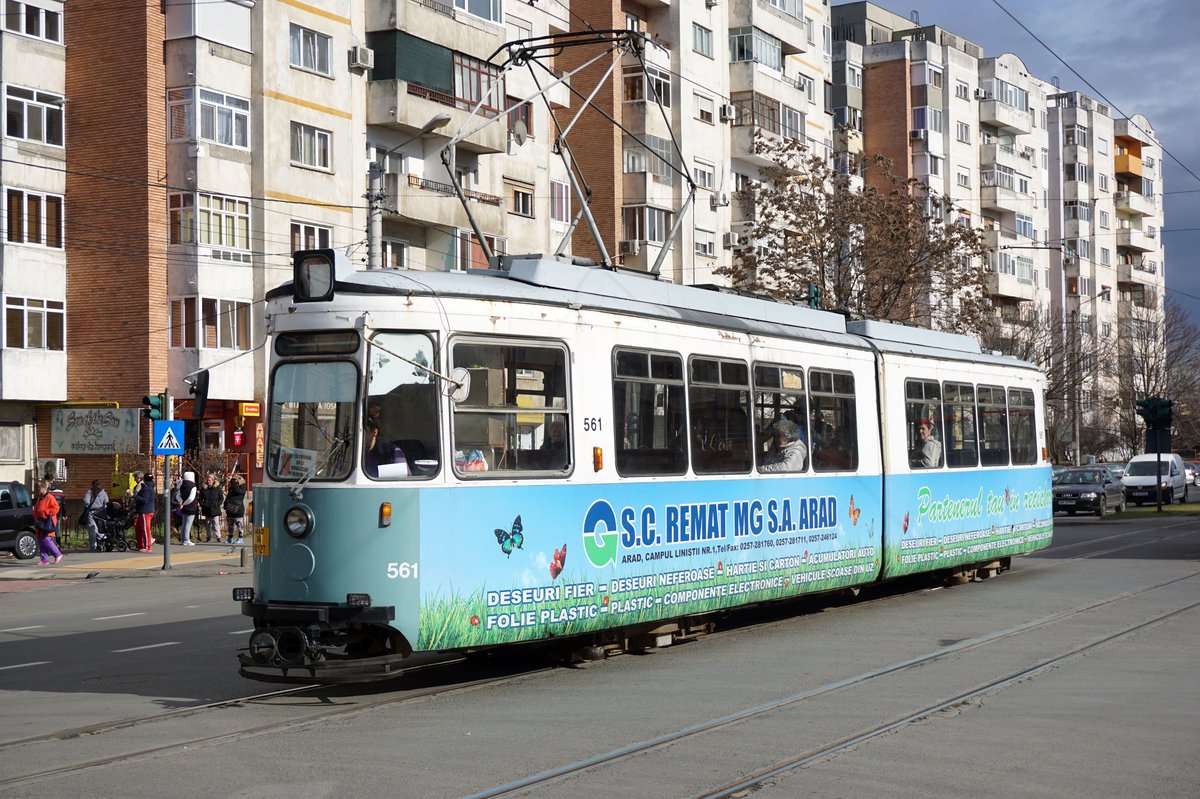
x: 928, y: 452
x: 382, y: 453
x: 789, y: 454
x: 554, y: 446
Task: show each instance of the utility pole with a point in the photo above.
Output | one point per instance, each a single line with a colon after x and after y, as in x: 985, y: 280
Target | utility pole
x: 169, y: 415
x: 376, y: 195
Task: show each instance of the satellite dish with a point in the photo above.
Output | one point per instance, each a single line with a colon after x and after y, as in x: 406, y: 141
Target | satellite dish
x: 458, y: 386
x: 519, y: 132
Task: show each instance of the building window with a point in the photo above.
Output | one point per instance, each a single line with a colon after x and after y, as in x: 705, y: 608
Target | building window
x: 33, y: 115
x: 962, y: 90
x: 790, y: 7
x: 791, y: 124
x: 806, y: 85
x: 653, y: 84
x: 34, y: 324
x: 927, y: 118
x: 752, y: 108
x: 654, y: 155
x: 477, y: 83
x: 310, y: 146
x: 706, y: 243
x: 223, y: 222
x: 560, y: 202
x: 27, y: 19
x: 1103, y: 219
x: 395, y: 254
x: 964, y: 178
x: 470, y: 252
x: 632, y: 23
x: 34, y: 218
x: 645, y: 223
x: 181, y: 218
x: 1102, y: 182
x: 209, y: 323
x: 704, y: 173
x: 935, y: 165
x: 964, y: 132
x: 1025, y: 226
x: 1102, y: 145
x: 1105, y: 256
x: 520, y: 198
x: 520, y: 112
x: 702, y: 40
x: 310, y: 237
x: 705, y: 108
x: 310, y: 50
x: 854, y: 76
x: 487, y: 9
x: 751, y: 44
x: 224, y: 118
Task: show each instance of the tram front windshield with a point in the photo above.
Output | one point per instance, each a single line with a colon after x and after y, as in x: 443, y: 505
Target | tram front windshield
x: 311, y: 420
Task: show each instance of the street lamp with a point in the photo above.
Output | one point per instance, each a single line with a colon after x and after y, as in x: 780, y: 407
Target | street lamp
x: 376, y: 195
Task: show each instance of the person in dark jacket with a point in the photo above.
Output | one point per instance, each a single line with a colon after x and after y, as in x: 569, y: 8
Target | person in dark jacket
x: 211, y: 500
x: 235, y: 508
x: 144, y: 506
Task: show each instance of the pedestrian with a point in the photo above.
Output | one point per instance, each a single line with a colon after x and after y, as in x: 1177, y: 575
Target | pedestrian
x: 45, y: 521
x: 211, y: 500
x: 145, y: 503
x: 95, y: 499
x: 189, y: 505
x: 235, y: 508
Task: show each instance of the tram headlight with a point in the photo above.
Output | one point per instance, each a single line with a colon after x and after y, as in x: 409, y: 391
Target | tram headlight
x: 298, y: 521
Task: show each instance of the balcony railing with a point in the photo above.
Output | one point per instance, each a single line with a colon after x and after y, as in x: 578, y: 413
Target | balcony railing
x: 417, y: 182
x: 424, y: 92
x: 438, y: 6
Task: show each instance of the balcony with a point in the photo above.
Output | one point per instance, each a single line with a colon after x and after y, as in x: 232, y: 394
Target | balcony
x: 1126, y: 129
x: 33, y: 374
x: 1136, y: 239
x: 790, y: 31
x: 1130, y: 202
x: 742, y: 145
x: 1127, y: 164
x: 438, y: 22
x: 1000, y: 198
x: 1138, y: 270
x: 642, y: 256
x: 1016, y: 158
x: 750, y: 76
x: 645, y: 116
x: 1010, y: 286
x: 1005, y: 117
x: 432, y: 203
x: 406, y: 107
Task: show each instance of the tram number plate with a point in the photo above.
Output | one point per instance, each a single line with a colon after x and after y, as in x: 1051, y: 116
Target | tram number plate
x: 262, y: 542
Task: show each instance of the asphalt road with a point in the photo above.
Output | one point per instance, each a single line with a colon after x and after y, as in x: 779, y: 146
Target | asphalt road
x: 1073, y: 675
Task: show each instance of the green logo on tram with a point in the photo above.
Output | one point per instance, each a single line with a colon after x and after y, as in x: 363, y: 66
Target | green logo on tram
x: 600, y: 546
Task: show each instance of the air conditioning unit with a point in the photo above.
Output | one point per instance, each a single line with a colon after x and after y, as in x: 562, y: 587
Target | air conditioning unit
x: 919, y: 135
x: 718, y: 200
x: 54, y: 468
x: 728, y: 112
x: 1027, y: 153
x: 362, y: 58
x: 984, y: 94
x: 731, y: 240
x: 629, y: 247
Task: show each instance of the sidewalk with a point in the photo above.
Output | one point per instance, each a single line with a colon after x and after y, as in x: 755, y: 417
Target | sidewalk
x: 198, y: 561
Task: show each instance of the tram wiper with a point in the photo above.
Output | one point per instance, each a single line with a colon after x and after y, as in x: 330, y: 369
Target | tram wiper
x: 335, y: 451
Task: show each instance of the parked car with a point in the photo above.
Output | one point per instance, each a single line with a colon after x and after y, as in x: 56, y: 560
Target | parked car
x: 1091, y: 489
x: 1117, y: 469
x: 1193, y: 472
x: 1139, y: 479
x: 16, y: 521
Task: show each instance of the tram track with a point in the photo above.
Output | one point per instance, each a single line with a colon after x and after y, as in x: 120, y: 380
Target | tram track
x: 774, y: 706
x: 417, y: 694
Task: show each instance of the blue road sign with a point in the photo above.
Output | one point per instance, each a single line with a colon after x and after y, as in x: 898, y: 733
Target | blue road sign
x: 168, y: 437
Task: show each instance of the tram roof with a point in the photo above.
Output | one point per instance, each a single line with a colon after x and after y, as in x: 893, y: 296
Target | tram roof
x: 562, y: 280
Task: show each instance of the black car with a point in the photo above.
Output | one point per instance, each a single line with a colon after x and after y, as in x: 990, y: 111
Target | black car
x: 16, y: 521
x: 1090, y: 489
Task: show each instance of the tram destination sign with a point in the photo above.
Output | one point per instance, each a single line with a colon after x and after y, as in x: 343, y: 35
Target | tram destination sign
x: 94, y: 431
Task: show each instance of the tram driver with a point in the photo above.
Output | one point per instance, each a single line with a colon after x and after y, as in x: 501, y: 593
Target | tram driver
x: 379, y: 453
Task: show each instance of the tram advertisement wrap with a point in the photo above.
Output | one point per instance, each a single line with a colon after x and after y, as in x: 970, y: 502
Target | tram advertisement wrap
x: 516, y: 565
x: 940, y: 520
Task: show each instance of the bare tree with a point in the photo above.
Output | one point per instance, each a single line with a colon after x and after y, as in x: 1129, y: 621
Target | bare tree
x: 899, y: 252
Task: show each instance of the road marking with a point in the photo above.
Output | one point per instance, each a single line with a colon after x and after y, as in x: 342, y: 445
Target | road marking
x: 148, y: 646
x: 23, y: 629
x: 242, y: 632
x: 122, y: 616
x: 24, y: 665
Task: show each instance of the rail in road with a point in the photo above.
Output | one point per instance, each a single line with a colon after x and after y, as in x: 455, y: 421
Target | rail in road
x: 22, y: 769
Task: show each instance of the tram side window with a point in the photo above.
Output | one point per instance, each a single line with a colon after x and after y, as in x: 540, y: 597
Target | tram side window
x: 779, y: 395
x: 1022, y: 430
x: 833, y: 422
x: 648, y: 410
x: 993, y: 426
x: 516, y: 417
x: 959, y: 424
x: 719, y: 404
x: 923, y: 412
x: 400, y: 430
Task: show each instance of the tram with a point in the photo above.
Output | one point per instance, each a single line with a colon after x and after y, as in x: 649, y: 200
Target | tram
x: 547, y: 449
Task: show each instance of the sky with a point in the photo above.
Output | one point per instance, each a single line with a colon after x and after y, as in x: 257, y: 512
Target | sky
x: 1139, y: 54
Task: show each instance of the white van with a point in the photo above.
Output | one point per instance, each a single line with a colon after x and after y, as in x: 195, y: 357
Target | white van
x: 1140, y: 475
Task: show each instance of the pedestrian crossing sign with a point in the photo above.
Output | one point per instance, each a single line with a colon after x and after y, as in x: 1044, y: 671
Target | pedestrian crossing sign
x: 168, y: 437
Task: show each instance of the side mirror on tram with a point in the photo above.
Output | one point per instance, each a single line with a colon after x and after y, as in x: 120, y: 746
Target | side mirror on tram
x: 458, y: 386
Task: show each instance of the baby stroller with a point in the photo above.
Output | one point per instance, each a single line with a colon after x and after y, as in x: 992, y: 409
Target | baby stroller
x: 112, y: 522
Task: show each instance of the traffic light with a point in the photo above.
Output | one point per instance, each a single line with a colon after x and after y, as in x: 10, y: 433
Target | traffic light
x: 1165, y: 412
x: 1147, y: 409
x: 199, y: 390
x: 154, y: 407
x: 814, y: 295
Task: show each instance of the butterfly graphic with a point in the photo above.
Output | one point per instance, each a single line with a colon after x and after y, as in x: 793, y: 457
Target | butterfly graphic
x: 905, y: 530
x: 854, y: 512
x: 560, y: 560
x: 510, y: 541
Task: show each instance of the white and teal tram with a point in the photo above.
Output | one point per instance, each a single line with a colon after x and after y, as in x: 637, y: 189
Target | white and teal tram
x: 548, y: 449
